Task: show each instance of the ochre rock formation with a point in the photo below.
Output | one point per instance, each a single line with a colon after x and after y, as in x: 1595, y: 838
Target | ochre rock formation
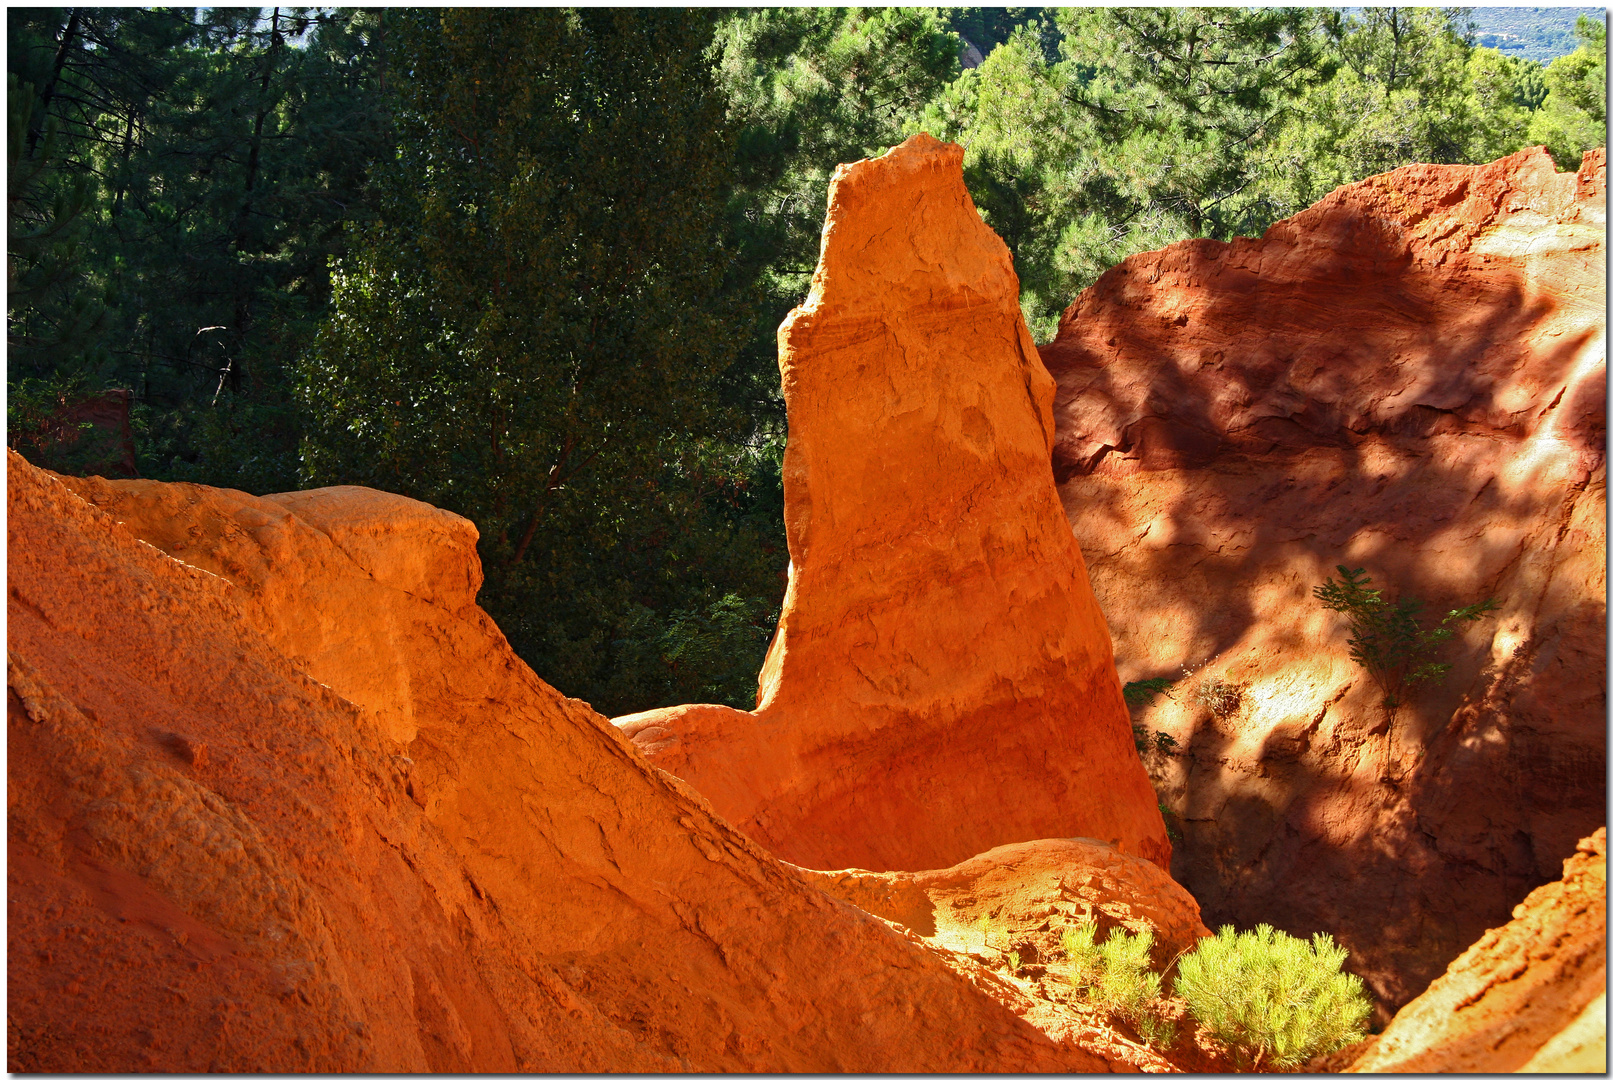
x: 942, y: 680
x: 1016, y: 900
x: 1408, y: 377
x: 1530, y: 996
x: 239, y: 842
x: 1030, y: 892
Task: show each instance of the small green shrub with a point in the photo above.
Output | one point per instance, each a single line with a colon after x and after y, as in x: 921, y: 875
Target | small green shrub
x: 1126, y: 986
x: 1388, y: 639
x: 1145, y: 691
x: 1082, y: 961
x: 1170, y: 817
x: 1115, y: 976
x: 985, y: 925
x: 1274, y: 999
x: 1139, y: 695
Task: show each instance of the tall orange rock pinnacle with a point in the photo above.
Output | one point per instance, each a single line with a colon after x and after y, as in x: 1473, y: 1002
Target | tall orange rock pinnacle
x: 942, y: 680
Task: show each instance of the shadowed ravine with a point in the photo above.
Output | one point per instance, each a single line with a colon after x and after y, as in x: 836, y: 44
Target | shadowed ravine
x: 1409, y: 377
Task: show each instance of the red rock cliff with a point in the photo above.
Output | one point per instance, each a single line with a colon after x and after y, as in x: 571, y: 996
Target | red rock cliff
x: 942, y: 680
x: 1410, y: 376
x: 1530, y: 996
x: 280, y: 798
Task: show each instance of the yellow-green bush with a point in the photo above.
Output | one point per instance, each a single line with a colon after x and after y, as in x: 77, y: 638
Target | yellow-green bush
x: 1275, y: 1000
x: 1116, y: 977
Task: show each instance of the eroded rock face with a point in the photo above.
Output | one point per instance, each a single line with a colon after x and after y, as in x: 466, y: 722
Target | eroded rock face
x: 307, y: 563
x: 1528, y: 996
x: 1017, y: 900
x: 942, y: 680
x: 1408, y: 377
x: 226, y: 853
x: 1029, y: 893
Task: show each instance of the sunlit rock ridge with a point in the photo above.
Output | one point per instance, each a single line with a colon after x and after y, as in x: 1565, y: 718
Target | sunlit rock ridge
x: 942, y: 680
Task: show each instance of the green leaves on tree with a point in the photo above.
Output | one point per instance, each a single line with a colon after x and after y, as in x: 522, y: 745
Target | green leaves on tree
x: 56, y: 320
x: 1573, y: 115
x: 205, y: 161
x: 1154, y: 125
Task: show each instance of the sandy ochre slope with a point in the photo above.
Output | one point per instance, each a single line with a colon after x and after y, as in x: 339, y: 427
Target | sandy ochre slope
x: 223, y: 856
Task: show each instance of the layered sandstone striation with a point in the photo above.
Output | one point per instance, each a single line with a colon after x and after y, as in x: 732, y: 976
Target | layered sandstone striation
x: 1530, y: 996
x: 942, y: 681
x: 281, y: 798
x: 1408, y: 377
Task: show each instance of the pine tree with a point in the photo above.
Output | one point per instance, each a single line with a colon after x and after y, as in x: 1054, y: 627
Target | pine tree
x: 1573, y: 117
x: 531, y: 330
x: 218, y: 153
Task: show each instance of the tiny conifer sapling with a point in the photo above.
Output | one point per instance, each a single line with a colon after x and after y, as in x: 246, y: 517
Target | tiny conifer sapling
x: 1388, y: 639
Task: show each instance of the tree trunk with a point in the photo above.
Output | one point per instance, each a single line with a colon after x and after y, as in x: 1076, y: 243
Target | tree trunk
x: 55, y: 74
x: 243, y: 299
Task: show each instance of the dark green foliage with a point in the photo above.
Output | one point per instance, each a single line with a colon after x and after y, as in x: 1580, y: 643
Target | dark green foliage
x: 1144, y: 692
x: 1140, y: 695
x: 807, y: 89
x: 1212, y: 83
x: 710, y: 654
x: 1152, y: 125
x: 1389, y: 640
x: 1170, y: 818
x: 41, y: 425
x: 56, y: 319
x: 1411, y: 89
x: 1150, y: 742
x: 1065, y: 157
x: 1277, y: 1001
x: 532, y: 334
x: 987, y: 28
x: 219, y: 152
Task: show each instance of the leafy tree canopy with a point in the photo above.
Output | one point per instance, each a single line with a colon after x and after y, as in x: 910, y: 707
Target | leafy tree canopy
x: 1158, y: 124
x: 207, y: 161
x: 1573, y: 117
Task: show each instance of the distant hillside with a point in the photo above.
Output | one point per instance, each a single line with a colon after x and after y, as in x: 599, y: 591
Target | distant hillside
x: 1531, y: 33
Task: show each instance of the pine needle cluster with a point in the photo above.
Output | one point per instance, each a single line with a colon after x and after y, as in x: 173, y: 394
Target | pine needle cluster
x: 1116, y: 976
x: 1275, y: 999
x: 1389, y: 640
x: 1081, y: 958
